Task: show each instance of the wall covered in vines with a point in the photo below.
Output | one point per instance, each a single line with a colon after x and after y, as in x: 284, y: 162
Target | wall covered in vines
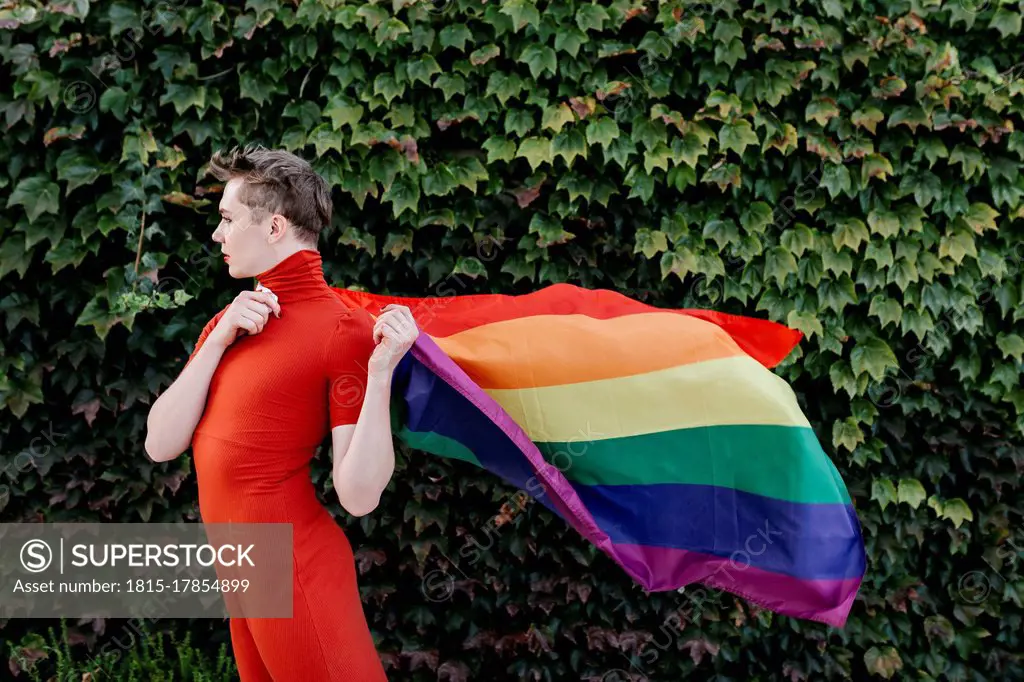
x: 850, y: 169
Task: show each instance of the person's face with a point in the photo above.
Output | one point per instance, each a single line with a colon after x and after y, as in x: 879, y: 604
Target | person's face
x: 245, y: 244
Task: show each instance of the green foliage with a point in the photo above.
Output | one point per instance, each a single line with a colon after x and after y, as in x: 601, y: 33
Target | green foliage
x: 138, y: 653
x: 849, y: 169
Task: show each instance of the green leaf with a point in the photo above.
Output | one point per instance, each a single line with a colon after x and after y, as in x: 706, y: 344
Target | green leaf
x: 981, y: 217
x: 805, y: 322
x: 549, y: 230
x: 422, y: 69
x: 522, y: 12
x: 884, y: 662
x: 404, y: 194
x: 778, y: 264
x: 539, y: 58
x: 836, y: 179
x: 821, y: 110
x: 884, y: 492
x: 499, y: 148
x: 872, y: 356
x: 875, y: 166
x: 650, y: 242
x: 887, y: 310
x: 756, y: 217
x: 591, y: 17
x: 602, y: 131
x: 38, y: 194
x: 569, y: 145
x: 850, y: 232
x: 679, y: 262
x: 867, y: 118
x: 847, y: 433
x: 884, y: 222
x: 555, y: 117
x: 1011, y: 345
x: 455, y: 35
x: 912, y: 492
x: 77, y: 168
x: 956, y: 510
x: 1006, y: 22
x: 737, y: 136
x: 536, y: 150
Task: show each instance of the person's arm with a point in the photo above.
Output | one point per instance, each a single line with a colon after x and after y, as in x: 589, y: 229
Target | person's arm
x: 360, y: 407
x: 175, y: 414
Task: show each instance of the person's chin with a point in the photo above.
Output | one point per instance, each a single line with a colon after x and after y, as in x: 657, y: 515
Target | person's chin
x: 235, y: 270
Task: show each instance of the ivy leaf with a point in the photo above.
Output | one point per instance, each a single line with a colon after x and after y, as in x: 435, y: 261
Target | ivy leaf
x: 805, y: 322
x: 867, y: 118
x: 912, y: 492
x: 602, y: 131
x: 1011, y: 345
x: 874, y: 166
x: 539, y: 58
x: 523, y: 13
x: 38, y: 195
x: 981, y: 217
x: 404, y: 194
x: 874, y: 357
x: 591, y: 17
x: 884, y: 662
x: 887, y: 310
x: 650, y: 242
x: 821, y: 110
x: 836, y: 179
x: 884, y: 492
x: 679, y: 262
x: 850, y: 232
x: 499, y: 148
x: 422, y: 69
x: 956, y: 510
x: 549, y: 230
x: 847, y: 433
x: 455, y: 36
x: 911, y: 116
x: 756, y: 217
x: 779, y: 264
x: 536, y: 150
x: 1006, y: 22
x: 557, y: 116
x: 737, y: 136
x: 77, y: 168
x: 569, y: 145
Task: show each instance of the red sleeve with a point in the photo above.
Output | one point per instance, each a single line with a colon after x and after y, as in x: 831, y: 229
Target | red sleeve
x: 206, y: 332
x: 348, y: 357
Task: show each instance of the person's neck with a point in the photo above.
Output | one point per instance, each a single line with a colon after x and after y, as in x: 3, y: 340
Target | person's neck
x: 297, y: 276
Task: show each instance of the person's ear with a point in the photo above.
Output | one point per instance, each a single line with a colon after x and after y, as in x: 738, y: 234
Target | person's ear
x: 278, y: 225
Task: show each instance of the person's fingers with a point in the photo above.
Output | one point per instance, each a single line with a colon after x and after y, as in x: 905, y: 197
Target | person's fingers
x: 401, y: 319
x: 270, y: 299
x: 266, y: 297
x: 259, y: 307
x: 380, y: 328
x: 247, y: 324
x: 255, y: 317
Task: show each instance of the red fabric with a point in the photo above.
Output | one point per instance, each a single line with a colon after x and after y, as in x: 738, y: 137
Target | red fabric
x: 272, y: 400
x: 767, y: 342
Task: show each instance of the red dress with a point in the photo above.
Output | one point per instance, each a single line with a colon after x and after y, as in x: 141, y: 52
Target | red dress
x: 269, y: 406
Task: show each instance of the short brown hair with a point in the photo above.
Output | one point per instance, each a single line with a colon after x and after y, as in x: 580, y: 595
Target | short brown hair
x: 277, y: 181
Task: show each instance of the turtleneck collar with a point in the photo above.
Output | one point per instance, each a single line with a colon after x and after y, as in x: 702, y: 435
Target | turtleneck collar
x: 297, y: 277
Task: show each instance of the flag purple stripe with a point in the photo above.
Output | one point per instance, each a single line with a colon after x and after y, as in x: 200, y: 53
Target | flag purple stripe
x: 664, y: 568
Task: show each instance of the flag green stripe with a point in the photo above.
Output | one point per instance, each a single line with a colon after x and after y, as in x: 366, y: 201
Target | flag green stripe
x: 781, y: 462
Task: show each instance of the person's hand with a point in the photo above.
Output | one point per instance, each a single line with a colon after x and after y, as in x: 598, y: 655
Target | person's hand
x: 247, y: 314
x: 394, y: 332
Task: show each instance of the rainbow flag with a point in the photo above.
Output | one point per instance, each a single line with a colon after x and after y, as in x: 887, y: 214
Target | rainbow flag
x: 660, y: 435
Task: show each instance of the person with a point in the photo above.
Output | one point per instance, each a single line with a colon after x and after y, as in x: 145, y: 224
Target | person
x: 271, y: 374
